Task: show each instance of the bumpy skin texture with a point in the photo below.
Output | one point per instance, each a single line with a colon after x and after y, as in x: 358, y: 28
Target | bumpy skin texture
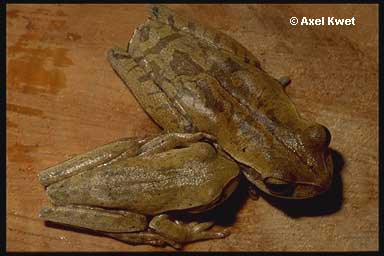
x: 113, y: 189
x: 189, y: 78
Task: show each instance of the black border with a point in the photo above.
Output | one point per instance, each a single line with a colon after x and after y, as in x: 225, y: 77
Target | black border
x: 3, y: 129
x: 3, y: 4
x: 193, y: 2
x: 381, y: 140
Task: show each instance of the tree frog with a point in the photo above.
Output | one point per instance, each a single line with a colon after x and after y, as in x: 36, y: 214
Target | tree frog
x: 129, y: 188
x: 189, y: 77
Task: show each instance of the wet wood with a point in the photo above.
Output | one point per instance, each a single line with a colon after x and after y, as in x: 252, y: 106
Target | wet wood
x: 63, y: 99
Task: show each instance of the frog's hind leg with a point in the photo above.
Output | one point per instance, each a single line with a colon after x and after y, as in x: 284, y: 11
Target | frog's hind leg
x: 216, y: 38
x: 150, y: 96
x: 122, y: 225
x: 91, y: 159
x: 184, y: 232
x: 97, y: 219
x: 169, y: 141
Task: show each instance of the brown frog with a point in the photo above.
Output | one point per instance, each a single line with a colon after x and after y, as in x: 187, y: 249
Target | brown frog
x: 220, y: 112
x: 128, y: 189
x: 189, y: 77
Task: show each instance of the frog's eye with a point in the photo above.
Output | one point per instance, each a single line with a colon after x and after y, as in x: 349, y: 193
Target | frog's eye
x: 278, y: 186
x: 317, y: 136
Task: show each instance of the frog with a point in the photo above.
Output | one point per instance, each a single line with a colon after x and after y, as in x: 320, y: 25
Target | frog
x: 130, y: 189
x: 189, y: 77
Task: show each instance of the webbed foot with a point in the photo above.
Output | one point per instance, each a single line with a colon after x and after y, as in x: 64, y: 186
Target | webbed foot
x: 185, y: 232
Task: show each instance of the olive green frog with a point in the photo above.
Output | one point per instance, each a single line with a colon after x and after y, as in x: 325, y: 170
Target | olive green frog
x: 189, y: 77
x: 126, y: 188
x: 222, y: 115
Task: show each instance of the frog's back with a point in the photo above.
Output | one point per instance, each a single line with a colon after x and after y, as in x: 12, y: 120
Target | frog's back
x: 188, y: 178
x: 219, y: 89
x: 211, y: 87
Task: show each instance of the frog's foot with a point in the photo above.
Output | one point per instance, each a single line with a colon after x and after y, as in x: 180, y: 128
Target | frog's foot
x: 117, y: 52
x: 169, y: 141
x: 144, y: 238
x: 184, y: 232
x: 284, y: 81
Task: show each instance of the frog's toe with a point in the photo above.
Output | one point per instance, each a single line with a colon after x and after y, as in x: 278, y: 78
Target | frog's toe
x: 117, y: 52
x: 206, y: 235
x: 144, y: 238
x: 193, y: 223
x: 198, y: 227
x: 184, y: 232
x: 206, y: 135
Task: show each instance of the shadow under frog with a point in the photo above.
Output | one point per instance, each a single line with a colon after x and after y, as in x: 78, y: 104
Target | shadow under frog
x: 324, y: 204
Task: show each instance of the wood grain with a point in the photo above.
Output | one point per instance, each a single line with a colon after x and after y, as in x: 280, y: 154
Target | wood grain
x: 63, y: 99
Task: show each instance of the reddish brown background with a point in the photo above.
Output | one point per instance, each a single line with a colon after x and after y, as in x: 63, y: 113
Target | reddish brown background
x: 63, y: 99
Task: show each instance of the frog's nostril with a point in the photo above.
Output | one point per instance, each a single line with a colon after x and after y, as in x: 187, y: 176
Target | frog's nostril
x: 317, y: 136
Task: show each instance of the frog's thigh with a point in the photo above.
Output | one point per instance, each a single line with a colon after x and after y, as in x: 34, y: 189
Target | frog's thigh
x: 169, y: 141
x: 110, y: 221
x: 184, y: 232
x: 100, y: 155
x: 152, y: 99
x: 220, y: 40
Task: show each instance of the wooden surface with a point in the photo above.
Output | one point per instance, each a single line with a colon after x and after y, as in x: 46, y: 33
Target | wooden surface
x: 63, y: 99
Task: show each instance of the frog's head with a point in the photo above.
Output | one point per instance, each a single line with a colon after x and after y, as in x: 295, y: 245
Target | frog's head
x: 294, y: 165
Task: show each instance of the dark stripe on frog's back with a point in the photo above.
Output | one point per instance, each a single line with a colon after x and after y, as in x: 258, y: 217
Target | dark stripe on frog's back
x: 183, y: 65
x: 149, y: 31
x: 161, y: 44
x: 202, y: 32
x: 250, y: 97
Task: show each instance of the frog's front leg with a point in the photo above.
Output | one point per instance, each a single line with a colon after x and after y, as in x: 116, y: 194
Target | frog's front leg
x: 184, y: 232
x: 253, y: 193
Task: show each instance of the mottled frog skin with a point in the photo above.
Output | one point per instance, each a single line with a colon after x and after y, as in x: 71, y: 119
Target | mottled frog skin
x: 189, y: 78
x: 221, y: 113
x: 129, y: 188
